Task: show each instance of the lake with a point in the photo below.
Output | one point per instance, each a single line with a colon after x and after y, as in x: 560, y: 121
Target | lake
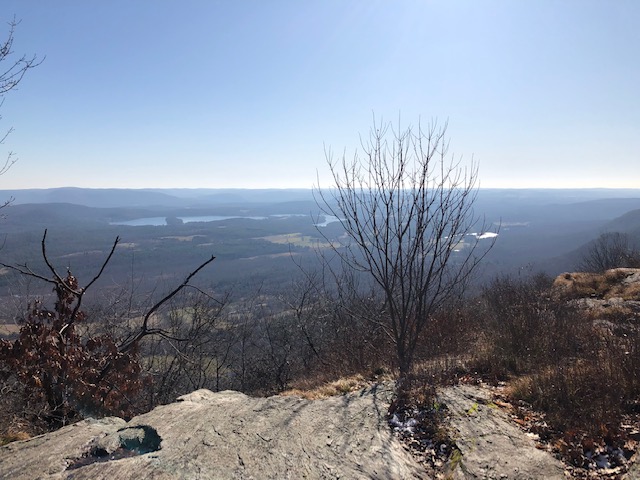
x: 160, y: 221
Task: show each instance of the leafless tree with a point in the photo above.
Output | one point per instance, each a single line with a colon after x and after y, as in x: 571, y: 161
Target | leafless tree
x: 195, y: 353
x: 12, y: 71
x: 406, y: 208
x: 610, y: 250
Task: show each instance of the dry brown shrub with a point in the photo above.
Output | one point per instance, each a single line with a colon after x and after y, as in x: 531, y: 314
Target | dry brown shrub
x: 581, y: 394
x: 591, y: 392
x: 524, y: 328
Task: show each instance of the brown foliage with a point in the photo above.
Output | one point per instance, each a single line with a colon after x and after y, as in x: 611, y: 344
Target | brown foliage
x: 64, y: 369
x: 62, y: 372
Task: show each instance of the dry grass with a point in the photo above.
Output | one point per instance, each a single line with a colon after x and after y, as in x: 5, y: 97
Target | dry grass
x: 13, y: 437
x: 601, y: 285
x: 337, y: 387
x: 627, y: 292
x: 579, y: 285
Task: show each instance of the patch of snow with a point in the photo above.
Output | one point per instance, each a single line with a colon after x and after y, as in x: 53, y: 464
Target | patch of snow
x: 406, y: 426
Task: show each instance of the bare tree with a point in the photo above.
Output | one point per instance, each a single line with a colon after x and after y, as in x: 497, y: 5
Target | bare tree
x: 195, y: 353
x: 12, y: 71
x: 406, y: 208
x: 610, y: 250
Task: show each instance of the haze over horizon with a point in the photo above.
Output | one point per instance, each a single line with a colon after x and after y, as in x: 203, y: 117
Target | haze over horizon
x: 310, y: 189
x: 248, y: 94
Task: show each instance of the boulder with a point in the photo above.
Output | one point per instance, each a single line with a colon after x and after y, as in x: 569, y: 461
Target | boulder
x: 225, y: 435
x: 229, y: 435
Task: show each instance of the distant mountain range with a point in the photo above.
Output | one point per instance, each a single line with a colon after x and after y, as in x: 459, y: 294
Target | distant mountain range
x: 124, y: 197
x: 116, y: 197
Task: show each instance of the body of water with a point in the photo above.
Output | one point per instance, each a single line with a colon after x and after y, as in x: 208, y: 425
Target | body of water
x: 159, y: 221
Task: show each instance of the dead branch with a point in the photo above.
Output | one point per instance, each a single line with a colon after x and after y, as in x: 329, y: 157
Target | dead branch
x: 144, y: 330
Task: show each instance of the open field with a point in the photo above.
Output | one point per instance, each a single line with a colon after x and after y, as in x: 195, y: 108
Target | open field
x: 298, y: 240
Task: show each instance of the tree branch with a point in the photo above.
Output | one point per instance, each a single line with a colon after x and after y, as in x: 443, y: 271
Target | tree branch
x: 144, y: 330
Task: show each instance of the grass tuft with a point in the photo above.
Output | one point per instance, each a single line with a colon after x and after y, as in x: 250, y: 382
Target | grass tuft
x: 341, y: 386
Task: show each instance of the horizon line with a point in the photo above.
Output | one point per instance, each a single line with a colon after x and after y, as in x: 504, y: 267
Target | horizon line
x: 69, y: 187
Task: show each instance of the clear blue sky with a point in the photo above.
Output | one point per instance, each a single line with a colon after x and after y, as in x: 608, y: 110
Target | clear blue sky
x: 158, y: 93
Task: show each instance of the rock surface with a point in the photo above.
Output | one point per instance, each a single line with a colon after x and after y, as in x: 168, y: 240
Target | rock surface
x: 225, y: 435
x: 229, y: 435
x: 492, y: 446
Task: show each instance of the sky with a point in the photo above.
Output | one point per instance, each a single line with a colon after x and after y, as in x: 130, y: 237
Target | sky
x: 251, y: 93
